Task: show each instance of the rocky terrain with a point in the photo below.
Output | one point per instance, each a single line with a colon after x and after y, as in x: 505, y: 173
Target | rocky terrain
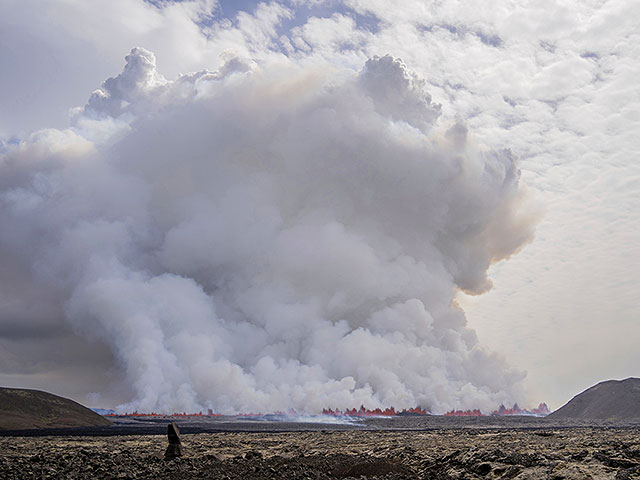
x: 469, y: 453
x: 26, y: 409
x: 611, y: 400
x: 595, y: 436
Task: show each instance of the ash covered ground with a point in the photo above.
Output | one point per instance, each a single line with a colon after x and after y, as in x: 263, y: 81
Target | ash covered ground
x: 372, y: 448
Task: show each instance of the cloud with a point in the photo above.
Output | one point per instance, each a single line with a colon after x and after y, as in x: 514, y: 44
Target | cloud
x: 559, y: 94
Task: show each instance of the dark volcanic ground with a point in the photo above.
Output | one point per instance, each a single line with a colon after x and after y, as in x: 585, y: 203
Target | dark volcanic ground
x: 400, y: 447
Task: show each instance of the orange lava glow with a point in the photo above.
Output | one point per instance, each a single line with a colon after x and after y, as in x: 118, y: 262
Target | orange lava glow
x: 154, y: 414
x: 540, y: 410
x: 364, y: 412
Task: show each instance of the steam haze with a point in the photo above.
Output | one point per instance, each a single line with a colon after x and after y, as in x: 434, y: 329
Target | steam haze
x: 268, y: 236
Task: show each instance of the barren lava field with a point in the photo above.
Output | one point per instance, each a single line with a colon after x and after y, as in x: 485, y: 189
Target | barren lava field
x: 395, y: 448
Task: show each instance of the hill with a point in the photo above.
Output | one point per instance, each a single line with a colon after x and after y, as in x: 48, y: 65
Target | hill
x: 617, y: 400
x: 26, y: 409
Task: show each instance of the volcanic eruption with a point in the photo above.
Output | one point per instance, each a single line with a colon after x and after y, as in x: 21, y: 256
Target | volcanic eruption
x: 268, y: 236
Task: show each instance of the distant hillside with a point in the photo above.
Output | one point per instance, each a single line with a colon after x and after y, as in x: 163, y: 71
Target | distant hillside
x: 617, y: 400
x: 26, y: 409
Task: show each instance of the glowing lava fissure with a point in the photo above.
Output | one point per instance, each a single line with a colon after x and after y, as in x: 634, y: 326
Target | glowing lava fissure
x: 353, y: 412
x: 378, y: 412
x: 540, y: 411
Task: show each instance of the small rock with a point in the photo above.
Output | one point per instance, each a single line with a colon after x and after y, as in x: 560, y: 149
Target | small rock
x: 175, y: 445
x: 252, y: 454
x: 482, y: 468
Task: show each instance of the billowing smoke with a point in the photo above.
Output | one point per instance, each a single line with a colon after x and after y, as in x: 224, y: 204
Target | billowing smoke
x: 268, y: 236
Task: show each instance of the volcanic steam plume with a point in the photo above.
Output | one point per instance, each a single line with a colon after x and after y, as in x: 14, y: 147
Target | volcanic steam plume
x: 268, y: 236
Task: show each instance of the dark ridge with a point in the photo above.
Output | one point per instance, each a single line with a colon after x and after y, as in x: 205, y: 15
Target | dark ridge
x: 613, y: 400
x: 22, y: 409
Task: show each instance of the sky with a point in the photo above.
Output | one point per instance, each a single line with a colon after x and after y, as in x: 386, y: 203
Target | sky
x: 259, y: 183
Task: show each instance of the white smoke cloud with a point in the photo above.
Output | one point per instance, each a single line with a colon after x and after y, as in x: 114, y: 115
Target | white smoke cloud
x: 269, y: 236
